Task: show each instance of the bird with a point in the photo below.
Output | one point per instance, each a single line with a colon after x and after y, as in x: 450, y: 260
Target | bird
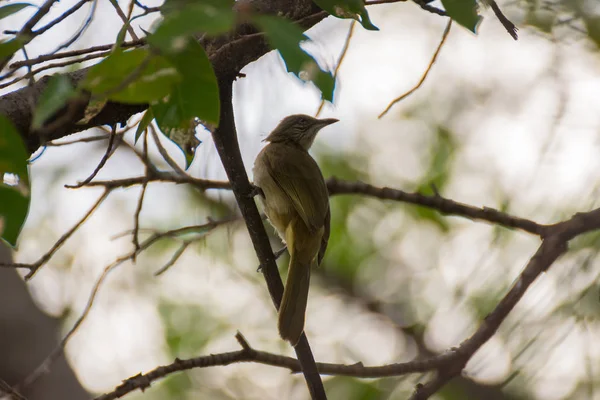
x: 296, y: 201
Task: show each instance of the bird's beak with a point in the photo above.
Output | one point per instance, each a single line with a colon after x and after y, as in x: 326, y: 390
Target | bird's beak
x: 327, y: 121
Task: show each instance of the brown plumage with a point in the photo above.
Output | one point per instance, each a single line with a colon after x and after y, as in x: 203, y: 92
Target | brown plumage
x: 296, y: 202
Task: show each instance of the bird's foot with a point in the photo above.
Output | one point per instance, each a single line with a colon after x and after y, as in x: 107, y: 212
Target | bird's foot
x: 256, y: 191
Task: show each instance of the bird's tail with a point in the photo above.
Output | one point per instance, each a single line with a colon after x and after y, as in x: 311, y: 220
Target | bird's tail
x: 293, y: 305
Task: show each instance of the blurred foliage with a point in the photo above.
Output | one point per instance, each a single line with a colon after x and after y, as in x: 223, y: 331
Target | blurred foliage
x: 436, y: 178
x: 352, y: 389
x: 56, y: 95
x: 342, y: 258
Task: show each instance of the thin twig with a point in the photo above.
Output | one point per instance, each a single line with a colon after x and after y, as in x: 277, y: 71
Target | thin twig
x: 26, y: 35
x: 506, y: 23
x: 87, y: 139
x: 167, y: 177
x: 74, y: 53
x: 55, y: 65
x: 64, y: 15
x: 174, y: 258
x: 102, y: 162
x: 81, y: 29
x: 340, y: 60
x: 164, y: 153
x: 5, y: 388
x: 138, y: 209
x: 56, y: 352
x: 125, y: 18
x: 34, y: 267
x: 418, y: 85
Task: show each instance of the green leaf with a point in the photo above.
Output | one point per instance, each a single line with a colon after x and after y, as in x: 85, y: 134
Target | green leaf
x: 143, y: 125
x: 196, y: 96
x: 464, y: 12
x: 544, y: 20
x: 151, y: 77
x: 179, y: 131
x: 437, y: 177
x: 13, y: 8
x: 9, y: 47
x: 354, y: 9
x: 202, y: 17
x: 13, y: 211
x: 13, y: 202
x: 13, y: 154
x: 186, y: 140
x: 56, y: 94
x: 286, y: 37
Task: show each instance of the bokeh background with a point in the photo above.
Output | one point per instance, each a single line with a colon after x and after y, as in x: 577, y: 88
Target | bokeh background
x: 497, y: 123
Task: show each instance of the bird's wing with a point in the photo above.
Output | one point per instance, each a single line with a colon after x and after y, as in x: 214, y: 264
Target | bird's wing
x: 299, y: 177
x: 325, y: 238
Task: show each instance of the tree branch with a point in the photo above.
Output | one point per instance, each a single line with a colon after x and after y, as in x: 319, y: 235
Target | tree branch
x: 249, y: 354
x: 225, y: 139
x: 437, y: 202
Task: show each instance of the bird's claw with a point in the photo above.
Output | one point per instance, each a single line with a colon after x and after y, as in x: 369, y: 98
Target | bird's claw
x: 256, y: 191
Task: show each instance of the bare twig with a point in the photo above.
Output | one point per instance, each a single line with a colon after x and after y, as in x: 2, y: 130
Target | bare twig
x: 87, y: 139
x: 163, y: 152
x: 63, y: 16
x: 25, y: 35
x: 81, y: 29
x: 49, y: 360
x: 174, y: 258
x: 167, y: 177
x: 125, y: 18
x: 340, y: 60
x: 418, y: 85
x: 138, y: 209
x: 506, y: 23
x: 103, y: 160
x: 73, y: 53
x: 5, y: 388
x: 50, y: 66
x: 34, y: 267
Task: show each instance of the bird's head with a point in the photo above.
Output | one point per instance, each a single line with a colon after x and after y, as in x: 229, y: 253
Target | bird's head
x: 298, y: 129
